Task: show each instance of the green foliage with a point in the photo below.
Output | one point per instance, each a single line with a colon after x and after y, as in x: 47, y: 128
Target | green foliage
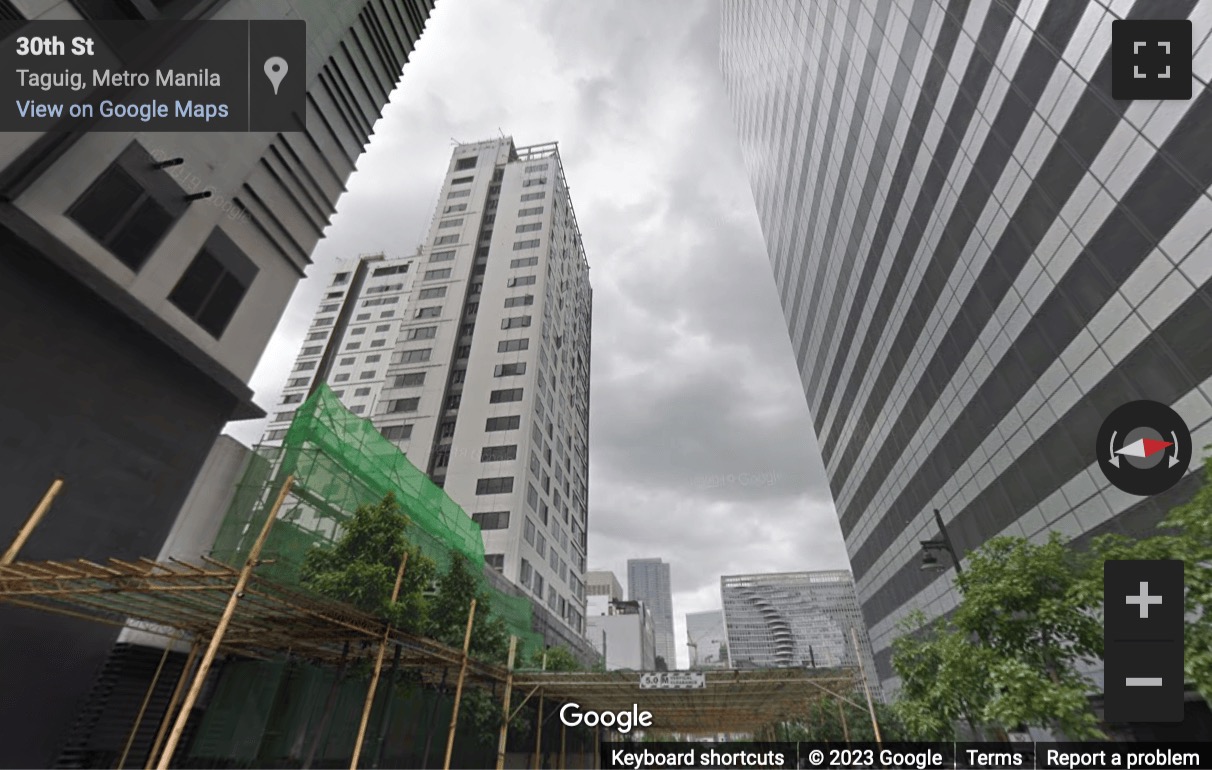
x: 1010, y: 653
x: 360, y: 568
x: 449, y: 607
x: 835, y: 721
x: 1185, y: 534
x: 660, y: 664
x: 944, y: 680
x: 558, y: 659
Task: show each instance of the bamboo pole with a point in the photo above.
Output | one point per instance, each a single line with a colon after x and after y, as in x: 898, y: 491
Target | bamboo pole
x: 513, y: 649
x: 224, y: 621
x: 563, y: 738
x: 374, y: 678
x: 538, y: 730
x: 385, y: 712
x: 454, y: 715
x: 845, y: 727
x: 875, y: 725
x: 34, y: 518
x: 167, y: 719
x: 151, y: 688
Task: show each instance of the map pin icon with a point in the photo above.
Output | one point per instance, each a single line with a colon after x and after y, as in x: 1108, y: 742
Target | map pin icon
x: 275, y: 70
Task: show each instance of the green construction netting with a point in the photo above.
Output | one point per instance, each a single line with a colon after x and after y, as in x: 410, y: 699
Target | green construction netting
x: 340, y: 461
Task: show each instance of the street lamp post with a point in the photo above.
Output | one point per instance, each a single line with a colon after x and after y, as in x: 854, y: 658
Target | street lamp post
x: 929, y: 560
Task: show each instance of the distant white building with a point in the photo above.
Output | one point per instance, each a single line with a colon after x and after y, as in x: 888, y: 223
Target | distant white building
x: 794, y: 619
x: 706, y: 639
x: 602, y: 582
x: 622, y: 632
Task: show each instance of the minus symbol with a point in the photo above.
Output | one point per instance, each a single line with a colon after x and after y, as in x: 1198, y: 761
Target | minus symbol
x: 1143, y: 681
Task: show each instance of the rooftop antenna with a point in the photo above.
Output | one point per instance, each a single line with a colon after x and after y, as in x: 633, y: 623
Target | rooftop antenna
x: 454, y: 141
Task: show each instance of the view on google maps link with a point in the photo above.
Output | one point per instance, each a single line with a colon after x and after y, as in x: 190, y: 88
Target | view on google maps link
x: 622, y: 384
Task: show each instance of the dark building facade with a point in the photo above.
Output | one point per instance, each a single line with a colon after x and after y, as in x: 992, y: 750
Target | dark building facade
x: 980, y: 255
x: 131, y: 317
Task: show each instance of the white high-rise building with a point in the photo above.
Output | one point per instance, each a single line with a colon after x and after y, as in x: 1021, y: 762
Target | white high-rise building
x: 706, y: 639
x: 473, y: 357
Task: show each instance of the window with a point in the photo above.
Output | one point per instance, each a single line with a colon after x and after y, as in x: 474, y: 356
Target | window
x: 538, y: 585
x: 535, y: 196
x: 464, y: 351
x: 512, y: 422
x: 393, y: 270
x: 432, y: 293
x: 348, y: 361
x: 530, y: 212
x: 429, y: 312
x: 213, y: 285
x: 447, y: 223
x: 492, y: 519
x: 521, y: 280
x: 441, y: 457
x: 313, y: 350
x: 461, y: 180
x: 397, y: 405
x: 415, y: 356
x: 497, y: 485
x: 298, y: 382
x: 540, y: 544
x: 525, y: 299
x: 370, y: 375
x: 341, y: 377
x: 515, y: 322
x: 524, y: 262
x: 535, y: 182
x: 476, y: 287
x: 292, y: 398
x: 383, y: 328
x: 411, y: 380
x: 129, y: 215
x: 442, y: 240
x: 380, y: 301
x: 509, y: 370
x: 353, y: 346
x: 495, y: 560
x: 358, y: 331
x: 494, y: 454
x: 456, y: 208
x: 528, y: 532
x: 506, y: 396
x: 434, y: 275
x: 536, y: 167
x: 276, y: 435
x: 357, y: 409
x: 316, y: 336
x: 442, y: 256
x: 532, y: 497
x: 458, y: 194
x: 453, y: 401
x: 378, y: 343
x: 362, y: 392
x: 472, y: 308
x: 479, y: 269
x: 462, y: 164
x: 422, y: 333
x: 524, y: 574
x: 458, y: 376
x: 340, y: 278
x: 466, y: 329
x: 284, y: 416
x: 387, y: 314
x: 533, y: 243
x: 304, y: 366
x: 384, y: 288
x: 530, y: 227
x: 554, y: 560
x: 397, y: 432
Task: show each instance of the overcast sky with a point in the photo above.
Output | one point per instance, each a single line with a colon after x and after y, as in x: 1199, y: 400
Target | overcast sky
x: 701, y: 445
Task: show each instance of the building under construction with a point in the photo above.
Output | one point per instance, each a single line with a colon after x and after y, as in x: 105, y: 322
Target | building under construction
x: 256, y: 671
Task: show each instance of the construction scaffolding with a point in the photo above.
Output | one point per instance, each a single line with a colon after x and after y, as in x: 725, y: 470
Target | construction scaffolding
x: 294, y: 675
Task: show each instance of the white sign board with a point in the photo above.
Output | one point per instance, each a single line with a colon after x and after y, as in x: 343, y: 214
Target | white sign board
x: 673, y: 680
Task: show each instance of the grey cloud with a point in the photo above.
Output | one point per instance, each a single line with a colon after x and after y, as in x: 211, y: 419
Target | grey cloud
x: 702, y: 450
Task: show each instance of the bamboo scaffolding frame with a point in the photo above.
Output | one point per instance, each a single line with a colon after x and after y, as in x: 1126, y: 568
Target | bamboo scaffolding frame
x: 454, y: 714
x: 505, y: 716
x: 374, y: 679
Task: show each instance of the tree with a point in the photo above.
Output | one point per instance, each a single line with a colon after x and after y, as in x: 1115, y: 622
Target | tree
x: 1025, y: 603
x: 1012, y: 650
x: 558, y: 659
x: 449, y: 607
x: 1185, y: 534
x: 944, y: 680
x: 360, y: 567
x: 660, y: 663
